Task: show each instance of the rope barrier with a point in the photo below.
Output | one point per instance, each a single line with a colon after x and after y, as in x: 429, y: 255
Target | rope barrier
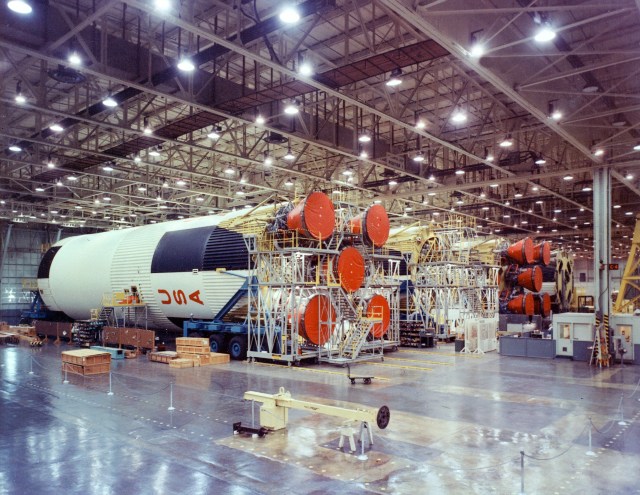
x: 636, y: 389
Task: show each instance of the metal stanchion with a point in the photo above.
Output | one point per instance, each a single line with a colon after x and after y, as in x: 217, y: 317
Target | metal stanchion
x: 110, y: 392
x: 622, y: 422
x: 522, y: 472
x: 31, y: 365
x: 66, y: 380
x: 171, y: 408
x: 590, y: 452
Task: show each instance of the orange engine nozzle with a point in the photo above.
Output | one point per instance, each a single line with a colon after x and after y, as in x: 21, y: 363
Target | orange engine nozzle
x: 522, y: 304
x: 521, y: 252
x: 542, y: 253
x: 372, y: 224
x: 316, y: 317
x: 313, y: 217
x: 349, y: 268
x: 530, y: 278
x: 542, y: 304
x: 378, y: 307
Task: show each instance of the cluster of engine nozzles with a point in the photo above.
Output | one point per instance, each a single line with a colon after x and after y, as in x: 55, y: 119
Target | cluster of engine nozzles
x: 525, y: 272
x: 314, y: 218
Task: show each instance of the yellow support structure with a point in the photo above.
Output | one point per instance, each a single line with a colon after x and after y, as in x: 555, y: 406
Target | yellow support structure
x: 631, y: 275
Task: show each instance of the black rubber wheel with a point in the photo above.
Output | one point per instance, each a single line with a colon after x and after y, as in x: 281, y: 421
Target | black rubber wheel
x: 238, y: 347
x: 216, y: 343
x: 384, y: 415
x: 353, y: 381
x: 367, y: 381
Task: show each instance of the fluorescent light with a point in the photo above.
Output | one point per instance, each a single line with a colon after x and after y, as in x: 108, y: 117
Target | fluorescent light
x: 289, y: 15
x: 56, y: 128
x: 15, y: 148
x: 186, y: 65
x: 74, y: 58
x: 19, y: 7
x: 545, y: 33
x: 109, y: 102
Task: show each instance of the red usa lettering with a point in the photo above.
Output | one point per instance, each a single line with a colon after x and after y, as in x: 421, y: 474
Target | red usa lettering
x: 179, y: 297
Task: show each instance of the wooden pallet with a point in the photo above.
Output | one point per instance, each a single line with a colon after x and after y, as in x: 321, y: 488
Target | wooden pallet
x: 193, y: 341
x: 192, y: 349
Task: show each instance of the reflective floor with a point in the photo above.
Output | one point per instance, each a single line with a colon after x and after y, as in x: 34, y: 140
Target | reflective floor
x: 458, y: 425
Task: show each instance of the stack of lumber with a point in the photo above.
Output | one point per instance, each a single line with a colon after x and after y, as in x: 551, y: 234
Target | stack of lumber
x: 86, y: 362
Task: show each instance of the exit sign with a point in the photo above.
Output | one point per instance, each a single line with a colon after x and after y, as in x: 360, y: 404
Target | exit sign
x: 613, y: 266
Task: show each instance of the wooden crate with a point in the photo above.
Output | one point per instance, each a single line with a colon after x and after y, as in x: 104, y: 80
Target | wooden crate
x: 162, y: 356
x: 191, y: 349
x: 181, y: 363
x: 218, y: 358
x: 194, y: 341
x: 90, y: 369
x: 86, y: 357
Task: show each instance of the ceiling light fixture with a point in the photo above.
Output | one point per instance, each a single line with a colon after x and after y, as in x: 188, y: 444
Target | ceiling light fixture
x: 229, y: 171
x: 305, y: 69
x: 568, y: 177
x: 289, y: 182
x: 109, y: 102
x: 146, y: 129
x: 289, y: 156
x: 363, y: 155
x: 545, y: 33
x: 636, y: 147
x: 419, y: 157
x: 137, y: 159
x: 39, y: 189
x: 598, y: 152
x: 56, y: 127
x: 289, y: 15
x: 395, y: 79
x: 107, y: 168
x: 74, y: 59
x: 393, y: 182
x: 507, y: 142
x: 364, y: 137
x: 260, y: 120
x: 268, y: 161
x: 185, y: 64
x: 15, y: 148
x: 517, y: 194
x: 215, y: 133
x: 348, y: 172
x: 180, y: 183
x: 554, y: 113
x: 154, y: 152
x: 591, y: 88
x: 199, y: 198
x: 291, y: 108
x: 19, y: 98
x: 629, y: 176
x: 459, y: 170
x: 586, y: 188
x: 458, y: 116
x: 540, y: 161
x: 535, y: 188
x: 19, y: 7
x: 162, y: 5
x: 421, y: 124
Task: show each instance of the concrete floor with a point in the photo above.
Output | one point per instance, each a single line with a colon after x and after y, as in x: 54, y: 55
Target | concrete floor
x: 458, y: 424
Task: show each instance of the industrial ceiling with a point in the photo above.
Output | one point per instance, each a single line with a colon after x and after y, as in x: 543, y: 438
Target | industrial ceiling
x: 216, y: 105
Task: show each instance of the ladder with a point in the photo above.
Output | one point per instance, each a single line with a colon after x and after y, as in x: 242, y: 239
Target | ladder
x: 600, y: 350
x: 353, y: 341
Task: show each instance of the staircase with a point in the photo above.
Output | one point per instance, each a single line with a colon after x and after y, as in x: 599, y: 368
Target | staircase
x: 350, y: 347
x: 600, y: 350
x: 107, y: 315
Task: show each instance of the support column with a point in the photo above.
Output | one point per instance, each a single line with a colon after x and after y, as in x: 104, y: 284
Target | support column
x: 602, y: 240
x: 5, y: 248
